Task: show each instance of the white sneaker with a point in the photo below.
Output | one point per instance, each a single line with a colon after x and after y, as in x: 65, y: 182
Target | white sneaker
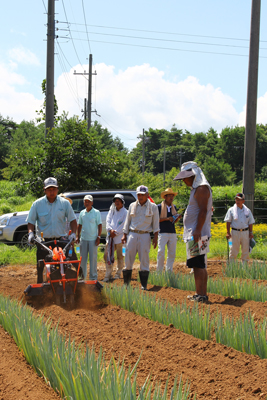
x: 106, y: 279
x: 192, y: 271
x: 117, y: 276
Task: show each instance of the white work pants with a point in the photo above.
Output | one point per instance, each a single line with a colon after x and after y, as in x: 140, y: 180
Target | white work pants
x: 240, y: 239
x: 138, y: 243
x: 169, y: 239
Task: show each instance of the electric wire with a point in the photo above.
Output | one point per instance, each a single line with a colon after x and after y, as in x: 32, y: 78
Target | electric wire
x: 120, y: 134
x: 171, y: 48
x: 86, y: 28
x: 167, y: 33
x: 71, y: 33
x: 60, y: 55
x: 165, y: 40
x: 44, y: 6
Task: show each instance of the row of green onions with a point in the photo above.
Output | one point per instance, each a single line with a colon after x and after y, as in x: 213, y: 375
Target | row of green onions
x: 243, y: 335
x: 235, y: 288
x: 76, y: 373
x: 254, y: 270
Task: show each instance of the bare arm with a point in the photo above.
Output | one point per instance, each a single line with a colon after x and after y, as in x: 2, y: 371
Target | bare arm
x: 202, y: 196
x: 99, y: 234
x: 79, y: 233
x: 73, y: 226
x: 228, y: 234
x: 30, y: 227
x: 250, y: 231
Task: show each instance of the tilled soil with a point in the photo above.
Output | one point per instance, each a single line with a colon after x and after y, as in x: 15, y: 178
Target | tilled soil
x: 215, y: 371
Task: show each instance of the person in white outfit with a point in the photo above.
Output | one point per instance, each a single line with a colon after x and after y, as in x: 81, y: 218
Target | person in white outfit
x: 142, y: 219
x: 241, y: 221
x: 167, y: 236
x: 114, y: 226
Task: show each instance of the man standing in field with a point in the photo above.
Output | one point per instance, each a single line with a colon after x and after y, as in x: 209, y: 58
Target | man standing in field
x: 89, y: 231
x: 50, y: 214
x: 241, y: 220
x: 197, y: 223
x: 142, y: 218
x: 167, y: 236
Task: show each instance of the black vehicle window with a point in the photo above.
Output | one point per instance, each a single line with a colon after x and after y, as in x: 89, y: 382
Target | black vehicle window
x: 128, y: 198
x: 101, y: 202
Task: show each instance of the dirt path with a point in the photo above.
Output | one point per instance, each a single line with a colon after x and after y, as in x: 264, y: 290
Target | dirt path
x: 215, y: 371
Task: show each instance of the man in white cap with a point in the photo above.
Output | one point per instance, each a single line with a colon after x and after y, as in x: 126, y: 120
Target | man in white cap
x: 197, y: 223
x: 89, y: 233
x: 49, y: 214
x: 142, y: 219
x: 114, y: 226
x: 167, y: 236
x: 240, y: 219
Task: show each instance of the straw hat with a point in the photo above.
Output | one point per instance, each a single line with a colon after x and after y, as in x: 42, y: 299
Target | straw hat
x: 167, y: 191
x: 64, y: 197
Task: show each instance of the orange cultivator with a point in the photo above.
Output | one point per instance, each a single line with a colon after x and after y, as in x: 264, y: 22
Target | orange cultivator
x: 60, y: 273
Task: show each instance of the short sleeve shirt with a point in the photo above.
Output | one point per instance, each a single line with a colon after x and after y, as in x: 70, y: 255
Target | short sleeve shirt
x: 242, y: 222
x: 51, y: 218
x: 89, y: 221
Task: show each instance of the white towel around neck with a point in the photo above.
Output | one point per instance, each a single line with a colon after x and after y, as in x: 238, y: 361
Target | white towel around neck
x: 235, y: 214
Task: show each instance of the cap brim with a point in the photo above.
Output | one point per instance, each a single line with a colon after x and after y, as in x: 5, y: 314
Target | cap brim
x: 141, y: 192
x: 51, y: 186
x: 183, y: 174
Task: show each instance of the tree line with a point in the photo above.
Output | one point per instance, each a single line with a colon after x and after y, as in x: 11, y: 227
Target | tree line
x: 84, y: 160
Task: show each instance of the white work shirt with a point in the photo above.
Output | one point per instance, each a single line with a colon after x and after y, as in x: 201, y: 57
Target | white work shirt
x: 242, y: 222
x: 140, y: 221
x: 115, y: 220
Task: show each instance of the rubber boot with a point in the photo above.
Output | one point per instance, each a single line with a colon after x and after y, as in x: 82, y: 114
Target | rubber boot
x: 118, y: 274
x: 143, y: 279
x: 127, y: 276
x: 108, y: 275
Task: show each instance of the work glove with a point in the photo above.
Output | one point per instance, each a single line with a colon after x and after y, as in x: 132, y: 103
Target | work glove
x: 72, y: 237
x: 30, y: 238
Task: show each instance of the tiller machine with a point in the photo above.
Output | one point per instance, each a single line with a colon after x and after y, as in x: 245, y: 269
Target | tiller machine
x: 60, y: 273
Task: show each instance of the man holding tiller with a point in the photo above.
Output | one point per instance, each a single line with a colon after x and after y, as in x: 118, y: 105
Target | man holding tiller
x: 49, y: 215
x: 241, y: 220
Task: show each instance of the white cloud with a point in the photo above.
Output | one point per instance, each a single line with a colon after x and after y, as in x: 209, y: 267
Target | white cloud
x: 21, y: 55
x: 13, y: 103
x: 261, y: 111
x: 140, y: 97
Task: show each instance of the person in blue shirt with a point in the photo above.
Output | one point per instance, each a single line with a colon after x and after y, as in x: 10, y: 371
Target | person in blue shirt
x: 89, y: 232
x: 49, y: 215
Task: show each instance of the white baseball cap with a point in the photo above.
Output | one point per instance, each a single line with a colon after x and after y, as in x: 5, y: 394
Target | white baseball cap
x: 50, y: 182
x: 88, y: 197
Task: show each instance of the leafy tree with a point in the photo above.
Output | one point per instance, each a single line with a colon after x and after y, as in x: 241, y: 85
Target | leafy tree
x: 41, y: 112
x: 70, y: 154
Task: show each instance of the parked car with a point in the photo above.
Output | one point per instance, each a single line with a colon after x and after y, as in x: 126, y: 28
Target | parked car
x: 13, y: 226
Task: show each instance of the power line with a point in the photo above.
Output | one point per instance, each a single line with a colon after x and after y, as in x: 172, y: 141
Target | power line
x: 66, y: 76
x: 71, y: 34
x: 169, y: 48
x: 163, y: 32
x: 163, y: 40
x: 86, y: 28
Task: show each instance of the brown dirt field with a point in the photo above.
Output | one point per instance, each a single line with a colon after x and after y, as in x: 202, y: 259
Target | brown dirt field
x: 215, y: 371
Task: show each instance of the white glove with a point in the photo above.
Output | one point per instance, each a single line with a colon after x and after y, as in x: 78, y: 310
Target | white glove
x: 30, y: 237
x: 72, y: 236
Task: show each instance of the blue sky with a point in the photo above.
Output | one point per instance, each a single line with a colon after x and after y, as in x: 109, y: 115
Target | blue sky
x: 176, y: 62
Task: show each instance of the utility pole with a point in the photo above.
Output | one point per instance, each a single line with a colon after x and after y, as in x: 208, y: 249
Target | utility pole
x: 85, y: 109
x: 49, y: 107
x: 143, y: 158
x: 89, y: 103
x: 89, y: 100
x: 251, y: 114
x: 182, y: 153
